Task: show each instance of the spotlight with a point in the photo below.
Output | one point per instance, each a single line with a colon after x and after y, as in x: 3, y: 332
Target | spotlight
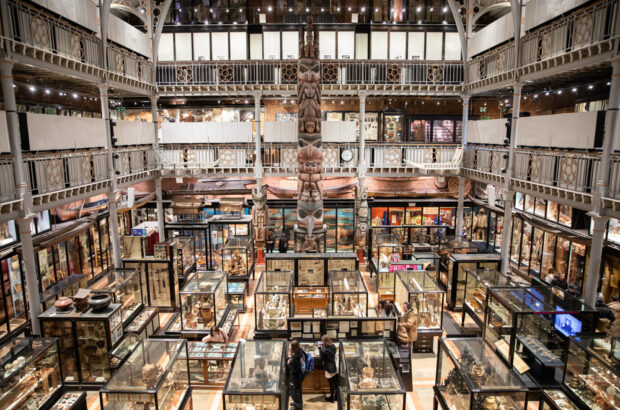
x: 503, y: 170
x: 31, y: 88
x: 418, y: 9
x: 376, y: 9
x: 246, y: 101
x: 269, y: 9
x: 432, y: 9
x: 307, y: 10
x: 559, y: 92
x: 211, y: 10
x: 444, y: 22
x: 535, y: 95
x: 438, y: 103
x: 143, y: 10
x: 349, y: 8
x: 419, y: 21
x: 574, y: 89
x: 445, y: 9
x: 227, y: 11
x: 341, y: 102
x: 608, y: 82
x: 547, y: 93
x: 47, y: 91
x: 75, y: 95
x: 590, y: 87
x: 337, y: 8
x: 290, y: 10
x: 363, y: 9
x: 322, y: 10
x: 506, y: 101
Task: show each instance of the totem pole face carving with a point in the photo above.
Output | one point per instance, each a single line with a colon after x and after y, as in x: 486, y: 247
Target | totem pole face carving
x: 259, y: 213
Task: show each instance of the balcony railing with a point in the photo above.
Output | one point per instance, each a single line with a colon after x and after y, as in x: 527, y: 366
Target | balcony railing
x: 492, y: 63
x: 126, y: 63
x: 587, y: 26
x: 393, y: 72
x: 30, y: 26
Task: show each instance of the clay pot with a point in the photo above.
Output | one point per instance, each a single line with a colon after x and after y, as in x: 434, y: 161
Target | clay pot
x: 99, y: 302
x: 63, y: 304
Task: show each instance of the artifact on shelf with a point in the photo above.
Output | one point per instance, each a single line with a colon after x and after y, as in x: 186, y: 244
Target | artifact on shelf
x: 80, y: 300
x: 63, y: 304
x: 99, y: 302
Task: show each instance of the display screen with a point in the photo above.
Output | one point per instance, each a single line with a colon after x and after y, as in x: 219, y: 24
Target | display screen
x: 567, y: 324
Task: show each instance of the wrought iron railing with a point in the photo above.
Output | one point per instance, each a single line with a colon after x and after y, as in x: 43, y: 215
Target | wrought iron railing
x: 494, y: 62
x: 392, y: 72
x: 126, y: 63
x: 7, y: 179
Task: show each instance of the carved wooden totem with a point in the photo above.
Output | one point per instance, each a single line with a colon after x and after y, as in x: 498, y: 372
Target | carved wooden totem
x: 260, y: 215
x: 309, y: 230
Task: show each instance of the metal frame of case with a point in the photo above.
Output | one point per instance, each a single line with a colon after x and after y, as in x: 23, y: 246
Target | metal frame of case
x: 235, y: 296
x: 480, y: 280
x: 217, y: 293
x: 146, y: 323
x: 123, y: 349
x: 13, y: 294
x: 357, y: 289
x: 389, y: 365
x: 72, y: 346
x: 297, y: 262
x: 532, y: 311
x: 452, y: 245
x: 240, y: 361
x: 555, y: 399
x: 186, y: 264
x: 271, y: 283
x: 117, y: 281
x: 199, y: 232
x: 205, y: 354
x: 226, y: 225
x: 511, y: 383
x: 173, y: 364
x: 456, y: 274
x: 386, y: 281
x: 244, y: 246
x: 427, y: 293
x: 580, y: 359
x: 32, y: 350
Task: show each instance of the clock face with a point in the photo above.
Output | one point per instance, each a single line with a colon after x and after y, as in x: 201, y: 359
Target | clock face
x: 346, y: 155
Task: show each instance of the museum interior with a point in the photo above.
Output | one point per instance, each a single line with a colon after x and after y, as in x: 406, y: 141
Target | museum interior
x: 274, y: 204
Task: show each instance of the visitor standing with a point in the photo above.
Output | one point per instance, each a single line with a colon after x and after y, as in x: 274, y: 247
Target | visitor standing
x: 327, y: 351
x: 294, y: 366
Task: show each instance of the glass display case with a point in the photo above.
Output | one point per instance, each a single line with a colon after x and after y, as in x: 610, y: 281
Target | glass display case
x: 198, y: 233
x: 203, y: 302
x: 236, y: 295
x: 455, y: 245
x: 393, y: 127
x: 420, y: 290
x: 257, y: 378
x: 311, y: 269
x: 592, y: 376
x: 154, y: 376
x: 30, y: 374
x: 185, y: 258
x: 138, y: 246
x: 386, y: 249
x: 146, y: 323
x: 555, y: 400
x: 308, y: 298
x: 371, y: 379
x: 13, y: 318
x: 528, y: 327
x: 349, y: 295
x: 71, y: 401
x: 272, y: 302
x: 123, y: 285
x: 84, y: 340
x: 158, y: 276
x: 221, y: 229
x: 209, y: 363
x: 238, y: 259
x: 476, y: 285
x: 118, y: 355
x: 471, y: 376
x: 458, y: 265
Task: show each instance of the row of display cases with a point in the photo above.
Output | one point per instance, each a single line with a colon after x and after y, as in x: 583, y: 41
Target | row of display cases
x: 311, y: 269
x: 388, y: 252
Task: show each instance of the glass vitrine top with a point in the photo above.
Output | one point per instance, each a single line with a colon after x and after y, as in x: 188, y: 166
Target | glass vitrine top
x: 238, y: 242
x: 203, y: 281
x: 539, y: 300
x: 384, y: 239
x: 418, y: 281
x: 368, y: 367
x: 459, y: 242
x: 347, y: 281
x: 257, y: 368
x: 480, y: 366
x: 146, y: 367
x: 18, y: 353
x: 604, y: 347
x: 493, y: 278
x: 116, y: 279
x: 275, y: 282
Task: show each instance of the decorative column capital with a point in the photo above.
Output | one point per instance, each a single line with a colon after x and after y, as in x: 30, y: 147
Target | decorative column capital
x: 154, y: 99
x: 257, y: 96
x: 516, y: 88
x: 362, y: 96
x: 465, y: 98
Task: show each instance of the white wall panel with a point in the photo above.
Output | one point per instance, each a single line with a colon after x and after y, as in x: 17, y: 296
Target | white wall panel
x: 486, y: 132
x: 493, y: 34
x: 379, y: 45
x: 206, y: 132
x: 290, y: 45
x: 538, y: 12
x: 183, y: 46
x: 166, y: 47
x: 577, y: 130
x: 415, y: 46
x: 219, y: 46
x: 361, y: 46
x: 239, y: 45
x: 128, y: 36
x: 280, y: 131
x: 271, y: 44
x: 134, y: 132
x: 256, y: 46
x: 5, y: 146
x: 434, y: 45
x: 398, y: 45
x: 327, y: 44
x: 346, y: 45
x: 53, y: 132
x: 202, y: 46
x: 79, y: 11
x: 452, y: 47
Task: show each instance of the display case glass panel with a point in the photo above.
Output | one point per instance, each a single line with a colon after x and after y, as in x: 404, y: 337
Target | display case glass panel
x: 14, y: 295
x: 30, y: 375
x: 457, y: 274
x: 499, y: 230
x: 185, y: 258
x: 548, y: 254
x: 540, y: 208
x: 222, y: 228
x: 346, y: 229
x: 419, y: 289
x: 118, y: 355
x: 516, y: 240
x: 556, y: 400
x: 471, y: 376
x: 273, y: 301
x: 238, y: 257
x: 576, y: 265
x: 519, y: 200
x: 592, y: 376
x: 257, y: 377
x: 8, y: 233
x: 613, y: 233
x: 392, y: 128
x: 332, y: 229
x: 203, y: 301
x: 562, y: 251
x: 480, y: 225
x: 529, y: 204
x: 413, y: 216
x: 430, y: 216
x: 566, y: 215
x: 349, y: 294
x: 397, y: 216
x: 209, y: 363
x: 123, y: 286
x: 385, y: 249
x: 537, y: 248
x: 526, y: 245
x: 553, y: 211
x: 370, y: 375
x: 379, y: 216
x: 154, y: 376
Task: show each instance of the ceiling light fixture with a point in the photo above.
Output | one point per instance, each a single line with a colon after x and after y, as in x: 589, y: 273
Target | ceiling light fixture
x: 535, y: 95
x: 445, y: 9
x: 75, y: 95
x: 31, y: 88
x: 363, y: 9
x: 608, y: 82
x: 290, y: 10
x: 432, y: 9
x: 419, y: 21
x: 559, y: 92
x: 444, y: 22
x: 547, y: 93
x: 574, y: 89
x: 418, y: 9
x: 590, y: 87
x: 349, y: 8
x: 47, y: 91
x: 307, y: 10
x: 376, y: 9
x: 269, y: 9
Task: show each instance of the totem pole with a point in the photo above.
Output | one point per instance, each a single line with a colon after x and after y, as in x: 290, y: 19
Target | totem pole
x: 309, y: 230
x: 260, y: 216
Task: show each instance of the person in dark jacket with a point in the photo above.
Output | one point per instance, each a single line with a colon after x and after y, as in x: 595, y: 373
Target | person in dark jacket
x: 560, y: 281
x: 328, y: 357
x: 294, y: 368
x: 604, y: 312
x: 271, y: 241
x: 283, y: 243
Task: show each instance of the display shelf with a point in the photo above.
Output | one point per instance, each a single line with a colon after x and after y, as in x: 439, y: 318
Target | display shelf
x: 420, y: 290
x: 203, y: 302
x: 238, y: 259
x: 71, y: 401
x: 592, y: 375
x: 471, y: 376
x: 236, y: 295
x: 145, y: 324
x: 118, y: 355
x: 311, y: 269
x: 456, y: 274
x: 308, y: 298
x: 221, y: 229
x: 272, y: 303
x: 349, y: 295
x: 154, y: 376
x: 123, y: 285
x: 371, y: 379
x: 370, y: 327
x: 556, y: 399
x: 257, y: 378
x: 476, y: 296
x: 209, y: 363
x: 529, y: 327
x: 84, y: 340
x: 30, y: 375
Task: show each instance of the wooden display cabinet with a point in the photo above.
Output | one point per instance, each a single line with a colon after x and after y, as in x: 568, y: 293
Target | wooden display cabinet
x: 209, y: 363
x: 308, y: 298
